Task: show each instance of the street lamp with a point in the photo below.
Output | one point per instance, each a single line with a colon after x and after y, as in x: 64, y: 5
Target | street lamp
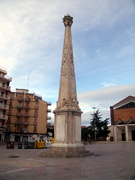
x: 94, y: 123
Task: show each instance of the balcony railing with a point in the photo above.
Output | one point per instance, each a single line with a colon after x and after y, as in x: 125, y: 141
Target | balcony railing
x: 19, y: 107
x: 48, y: 118
x: 36, y: 107
x: 35, y: 123
x: 11, y: 97
x: 25, y: 123
x: 27, y: 99
x: 27, y: 107
x: 2, y: 106
x: 4, y: 86
x: 3, y: 96
x: 9, y: 113
x: 49, y: 103
x: 2, y: 126
x: 20, y: 99
x: 18, y: 114
x: 35, y: 115
x: 18, y: 122
x: 8, y: 121
x: 26, y: 114
x: 48, y: 110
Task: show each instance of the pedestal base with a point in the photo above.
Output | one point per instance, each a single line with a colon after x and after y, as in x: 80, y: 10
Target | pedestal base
x: 67, y: 152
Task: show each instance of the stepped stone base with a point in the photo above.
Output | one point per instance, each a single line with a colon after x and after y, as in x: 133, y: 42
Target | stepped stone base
x: 66, y: 152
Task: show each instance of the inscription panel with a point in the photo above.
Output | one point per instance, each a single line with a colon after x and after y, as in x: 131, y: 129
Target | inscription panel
x: 60, y: 126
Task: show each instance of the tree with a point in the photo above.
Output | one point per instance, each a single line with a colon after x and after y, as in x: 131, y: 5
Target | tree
x: 98, y: 126
x: 84, y: 133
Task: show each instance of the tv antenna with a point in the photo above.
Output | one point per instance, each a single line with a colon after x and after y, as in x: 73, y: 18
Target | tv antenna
x: 28, y: 81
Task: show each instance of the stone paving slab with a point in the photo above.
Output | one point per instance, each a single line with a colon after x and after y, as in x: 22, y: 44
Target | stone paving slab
x: 113, y: 161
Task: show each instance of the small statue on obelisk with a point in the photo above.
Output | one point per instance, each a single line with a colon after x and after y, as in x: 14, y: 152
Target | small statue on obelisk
x: 67, y: 125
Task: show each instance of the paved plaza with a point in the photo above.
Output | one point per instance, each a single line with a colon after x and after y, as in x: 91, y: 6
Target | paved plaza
x: 111, y: 161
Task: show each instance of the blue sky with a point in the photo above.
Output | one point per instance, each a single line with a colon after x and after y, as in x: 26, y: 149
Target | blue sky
x: 103, y: 37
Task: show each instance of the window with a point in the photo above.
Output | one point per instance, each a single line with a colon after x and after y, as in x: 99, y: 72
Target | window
x: 10, y: 104
x: 3, y: 84
x: 11, y: 97
x: 20, y: 104
x: 25, y: 130
x: 35, y: 122
x: 2, y: 94
x: 19, y: 112
x: 27, y: 104
x: 35, y: 129
x: 8, y: 128
x: 0, y: 103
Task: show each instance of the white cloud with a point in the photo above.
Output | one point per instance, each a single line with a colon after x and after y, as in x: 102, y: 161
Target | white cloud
x: 103, y: 98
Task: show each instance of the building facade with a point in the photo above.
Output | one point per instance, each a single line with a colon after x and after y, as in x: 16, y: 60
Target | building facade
x: 27, y: 116
x: 4, y: 90
x: 123, y: 120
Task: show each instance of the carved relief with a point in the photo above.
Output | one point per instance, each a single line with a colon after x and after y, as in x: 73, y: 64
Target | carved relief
x: 64, y: 59
x: 72, y: 71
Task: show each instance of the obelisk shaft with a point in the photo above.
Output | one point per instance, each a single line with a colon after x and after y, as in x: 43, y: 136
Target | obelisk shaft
x: 67, y: 90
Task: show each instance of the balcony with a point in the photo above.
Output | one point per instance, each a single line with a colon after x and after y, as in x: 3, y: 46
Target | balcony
x: 2, y: 126
x: 36, y: 107
x: 20, y: 99
x: 27, y: 99
x: 5, y: 78
x: 26, y: 115
x: 11, y: 97
x: 8, y: 121
x: 18, y: 114
x: 49, y: 103
x: 27, y: 107
x: 48, y: 110
x: 9, y: 113
x: 26, y: 123
x: 18, y: 122
x: 35, y: 123
x: 35, y: 115
x: 48, y: 118
x: 2, y: 106
x: 19, y: 107
x: 5, y: 87
x: 3, y: 96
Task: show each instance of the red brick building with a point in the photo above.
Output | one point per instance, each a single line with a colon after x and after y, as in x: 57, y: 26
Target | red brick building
x: 123, y: 120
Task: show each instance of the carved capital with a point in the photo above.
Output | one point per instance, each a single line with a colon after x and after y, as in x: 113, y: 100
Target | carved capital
x: 68, y: 20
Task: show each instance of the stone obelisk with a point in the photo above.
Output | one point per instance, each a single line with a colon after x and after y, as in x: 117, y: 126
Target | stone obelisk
x: 67, y: 125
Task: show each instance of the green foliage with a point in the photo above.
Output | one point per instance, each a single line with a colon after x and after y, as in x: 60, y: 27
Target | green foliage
x: 99, y: 125
x: 84, y: 133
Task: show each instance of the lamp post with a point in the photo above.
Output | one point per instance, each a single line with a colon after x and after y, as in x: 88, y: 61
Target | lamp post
x: 94, y: 123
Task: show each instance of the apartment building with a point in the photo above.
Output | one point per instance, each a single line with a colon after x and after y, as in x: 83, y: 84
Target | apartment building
x: 27, y: 116
x: 4, y: 90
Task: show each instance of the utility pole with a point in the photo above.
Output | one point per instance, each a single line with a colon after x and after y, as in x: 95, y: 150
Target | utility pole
x: 28, y: 81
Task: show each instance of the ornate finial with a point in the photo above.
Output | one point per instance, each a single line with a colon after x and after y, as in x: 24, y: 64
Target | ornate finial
x: 68, y: 20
